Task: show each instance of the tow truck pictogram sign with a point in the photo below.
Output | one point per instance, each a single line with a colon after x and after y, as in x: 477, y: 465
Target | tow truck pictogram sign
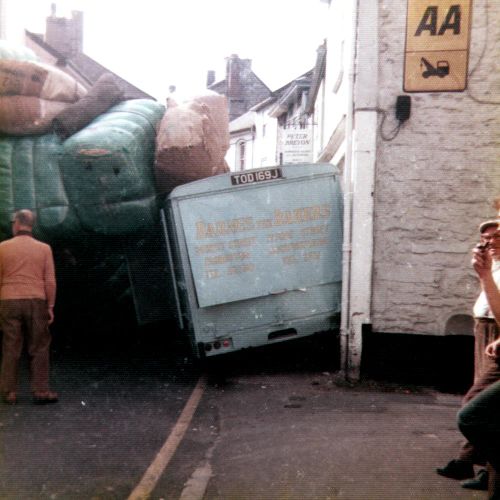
x: 437, y: 45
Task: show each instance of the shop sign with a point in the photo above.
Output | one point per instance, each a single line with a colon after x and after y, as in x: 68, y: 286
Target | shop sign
x: 437, y: 45
x: 296, y: 145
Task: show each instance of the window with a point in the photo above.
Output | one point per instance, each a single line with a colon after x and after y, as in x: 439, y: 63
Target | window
x: 241, y: 155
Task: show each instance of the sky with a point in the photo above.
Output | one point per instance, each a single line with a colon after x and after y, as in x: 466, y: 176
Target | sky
x: 158, y: 43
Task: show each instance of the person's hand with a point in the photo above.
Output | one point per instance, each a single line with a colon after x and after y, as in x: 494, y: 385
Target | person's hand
x: 51, y: 315
x: 493, y: 350
x: 481, y: 261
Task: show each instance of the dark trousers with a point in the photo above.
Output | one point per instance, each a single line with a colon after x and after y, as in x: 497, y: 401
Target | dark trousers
x: 20, y: 320
x: 479, y: 422
x: 486, y: 372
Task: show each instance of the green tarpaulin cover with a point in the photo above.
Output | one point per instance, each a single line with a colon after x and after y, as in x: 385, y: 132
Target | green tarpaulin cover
x: 108, y: 169
x: 100, y: 180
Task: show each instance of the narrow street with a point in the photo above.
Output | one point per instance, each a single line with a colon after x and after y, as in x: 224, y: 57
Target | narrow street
x: 272, y: 423
x: 117, y: 406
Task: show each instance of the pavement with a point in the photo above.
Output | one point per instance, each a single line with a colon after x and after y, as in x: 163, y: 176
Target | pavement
x: 312, y: 436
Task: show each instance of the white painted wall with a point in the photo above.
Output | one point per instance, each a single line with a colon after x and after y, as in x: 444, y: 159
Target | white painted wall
x: 318, y: 123
x: 265, y: 144
x: 334, y: 92
x: 261, y: 146
x: 233, y: 154
x: 360, y: 180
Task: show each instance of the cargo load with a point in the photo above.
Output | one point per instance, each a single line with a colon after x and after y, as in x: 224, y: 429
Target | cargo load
x: 98, y: 181
x: 104, y: 94
x: 30, y: 177
x: 108, y: 169
x: 192, y: 141
x: 32, y: 94
x: 30, y: 78
x: 27, y: 115
x: 15, y: 52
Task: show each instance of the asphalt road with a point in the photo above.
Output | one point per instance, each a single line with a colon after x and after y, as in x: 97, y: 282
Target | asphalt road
x: 118, y: 402
x: 271, y: 424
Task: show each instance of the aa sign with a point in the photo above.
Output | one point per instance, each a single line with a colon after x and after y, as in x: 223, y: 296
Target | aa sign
x: 437, y: 45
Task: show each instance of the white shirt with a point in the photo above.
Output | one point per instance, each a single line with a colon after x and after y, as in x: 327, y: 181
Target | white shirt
x: 481, y: 307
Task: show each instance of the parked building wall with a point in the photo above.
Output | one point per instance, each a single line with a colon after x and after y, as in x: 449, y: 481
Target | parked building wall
x: 256, y: 134
x: 240, y: 155
x: 435, y: 181
x: 266, y: 133
x: 332, y: 98
x: 415, y: 191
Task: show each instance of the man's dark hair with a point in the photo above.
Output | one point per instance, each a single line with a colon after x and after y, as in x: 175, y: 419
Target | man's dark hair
x: 25, y: 217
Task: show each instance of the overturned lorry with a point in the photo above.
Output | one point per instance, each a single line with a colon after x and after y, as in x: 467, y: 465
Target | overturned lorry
x: 254, y: 258
x: 237, y: 260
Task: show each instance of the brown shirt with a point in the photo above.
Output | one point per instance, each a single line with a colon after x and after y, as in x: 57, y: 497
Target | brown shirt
x: 27, y: 270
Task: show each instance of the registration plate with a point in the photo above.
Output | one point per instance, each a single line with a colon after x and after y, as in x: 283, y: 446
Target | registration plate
x: 269, y: 174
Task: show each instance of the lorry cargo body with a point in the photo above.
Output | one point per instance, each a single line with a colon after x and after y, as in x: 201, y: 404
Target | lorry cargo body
x: 256, y: 256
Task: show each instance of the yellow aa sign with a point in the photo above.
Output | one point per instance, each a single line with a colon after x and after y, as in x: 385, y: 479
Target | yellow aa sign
x: 437, y: 45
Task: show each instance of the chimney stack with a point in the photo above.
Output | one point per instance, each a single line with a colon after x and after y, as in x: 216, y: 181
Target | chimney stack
x: 65, y: 35
x: 233, y: 77
x: 237, y: 80
x: 210, y: 77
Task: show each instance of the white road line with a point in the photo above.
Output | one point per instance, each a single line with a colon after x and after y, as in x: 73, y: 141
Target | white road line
x: 197, y: 484
x: 155, y: 470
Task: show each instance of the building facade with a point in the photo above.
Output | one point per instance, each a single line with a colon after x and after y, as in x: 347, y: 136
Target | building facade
x: 241, y: 86
x: 275, y: 131
x: 421, y: 165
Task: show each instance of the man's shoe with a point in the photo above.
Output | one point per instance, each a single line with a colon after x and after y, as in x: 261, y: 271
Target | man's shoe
x: 480, y: 482
x: 457, y: 469
x: 10, y: 398
x: 45, y: 397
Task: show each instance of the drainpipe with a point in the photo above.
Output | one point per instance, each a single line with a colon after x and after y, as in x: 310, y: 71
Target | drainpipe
x: 346, y: 246
x: 254, y: 134
x: 362, y: 131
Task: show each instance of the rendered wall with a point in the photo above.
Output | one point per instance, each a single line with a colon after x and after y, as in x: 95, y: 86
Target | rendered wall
x: 435, y: 181
x: 265, y: 145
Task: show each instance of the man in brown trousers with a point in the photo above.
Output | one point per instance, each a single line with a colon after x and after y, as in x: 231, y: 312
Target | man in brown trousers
x: 27, y: 297
x: 486, y: 369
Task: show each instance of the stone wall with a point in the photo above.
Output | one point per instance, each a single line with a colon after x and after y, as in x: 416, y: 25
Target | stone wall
x: 435, y: 181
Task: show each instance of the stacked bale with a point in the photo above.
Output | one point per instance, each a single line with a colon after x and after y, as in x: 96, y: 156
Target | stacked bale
x: 192, y: 141
x: 30, y: 177
x: 32, y: 94
x: 108, y: 169
x: 104, y: 94
x: 13, y: 52
x: 96, y: 182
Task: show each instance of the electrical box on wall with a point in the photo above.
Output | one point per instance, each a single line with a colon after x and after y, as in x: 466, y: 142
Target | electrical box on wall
x: 403, y: 107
